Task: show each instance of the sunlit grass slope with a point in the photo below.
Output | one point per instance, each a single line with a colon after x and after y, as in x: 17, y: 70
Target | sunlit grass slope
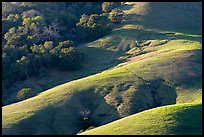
x: 135, y: 29
x: 174, y: 73
x: 179, y: 119
x: 161, y: 68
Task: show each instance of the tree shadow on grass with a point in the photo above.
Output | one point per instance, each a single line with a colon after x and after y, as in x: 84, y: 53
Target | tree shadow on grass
x: 97, y: 61
x: 189, y: 70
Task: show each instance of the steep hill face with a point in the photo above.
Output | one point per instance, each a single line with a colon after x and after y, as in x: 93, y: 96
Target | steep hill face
x: 160, y: 68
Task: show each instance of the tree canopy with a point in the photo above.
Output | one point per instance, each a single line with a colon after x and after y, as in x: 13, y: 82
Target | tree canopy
x: 38, y: 36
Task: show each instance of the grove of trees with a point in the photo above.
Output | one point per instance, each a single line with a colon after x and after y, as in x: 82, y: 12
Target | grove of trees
x: 37, y: 36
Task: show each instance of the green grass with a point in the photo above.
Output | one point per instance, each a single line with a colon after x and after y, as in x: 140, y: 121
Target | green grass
x: 112, y: 90
x: 107, y: 89
x: 149, y: 15
x: 179, y: 119
x: 106, y: 52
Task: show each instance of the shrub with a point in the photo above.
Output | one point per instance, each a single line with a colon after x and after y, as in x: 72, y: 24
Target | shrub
x: 93, y: 27
x: 24, y: 93
x: 116, y: 16
x: 70, y: 59
x: 108, y: 6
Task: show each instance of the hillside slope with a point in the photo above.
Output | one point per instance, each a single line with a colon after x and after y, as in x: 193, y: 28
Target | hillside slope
x: 172, y: 16
x: 160, y: 68
x: 112, y: 94
x: 143, y: 21
x: 167, y: 120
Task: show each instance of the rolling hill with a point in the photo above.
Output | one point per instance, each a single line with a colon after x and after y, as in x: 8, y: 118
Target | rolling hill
x: 167, y: 120
x: 135, y: 68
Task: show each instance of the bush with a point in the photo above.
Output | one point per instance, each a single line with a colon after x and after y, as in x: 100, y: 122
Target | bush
x: 108, y: 6
x: 116, y: 16
x: 24, y: 93
x: 70, y: 59
x: 93, y: 27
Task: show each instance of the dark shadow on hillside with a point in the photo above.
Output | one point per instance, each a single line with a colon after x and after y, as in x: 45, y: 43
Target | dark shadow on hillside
x: 97, y: 61
x: 66, y: 118
x: 133, y: 19
x: 153, y: 94
x: 101, y: 60
x: 188, y: 121
x: 189, y: 70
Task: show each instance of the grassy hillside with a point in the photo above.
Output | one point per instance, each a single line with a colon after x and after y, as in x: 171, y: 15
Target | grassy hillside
x: 126, y: 40
x: 159, y: 68
x: 106, y: 52
x: 167, y: 120
x: 112, y: 94
x: 171, y: 16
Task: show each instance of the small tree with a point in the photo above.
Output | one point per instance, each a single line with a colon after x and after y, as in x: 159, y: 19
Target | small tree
x: 93, y: 27
x: 24, y: 93
x: 24, y: 64
x: 66, y: 44
x: 108, y: 6
x: 116, y: 15
x: 70, y: 59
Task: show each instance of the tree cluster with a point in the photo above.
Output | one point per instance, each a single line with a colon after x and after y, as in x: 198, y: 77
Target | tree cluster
x: 37, y: 36
x: 20, y: 63
x: 93, y: 27
x: 108, y: 6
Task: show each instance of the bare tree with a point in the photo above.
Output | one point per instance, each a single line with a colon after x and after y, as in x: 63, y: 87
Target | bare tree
x: 31, y: 14
x: 51, y: 32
